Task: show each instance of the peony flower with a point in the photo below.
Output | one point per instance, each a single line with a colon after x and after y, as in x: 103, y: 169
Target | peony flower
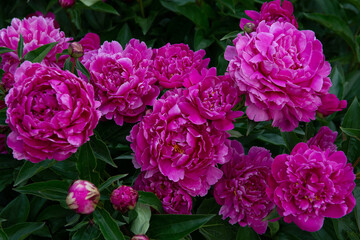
x: 283, y: 73
x: 173, y: 63
x: 324, y: 139
x: 51, y: 113
x: 48, y: 15
x: 310, y: 184
x: 271, y: 12
x: 121, y: 80
x: 213, y: 97
x: 331, y: 104
x: 91, y: 41
x: 140, y: 237
x: 124, y: 198
x: 174, y: 199
x: 36, y: 31
x: 66, y: 3
x: 241, y: 191
x: 76, y: 50
x: 83, y: 197
x: 166, y: 140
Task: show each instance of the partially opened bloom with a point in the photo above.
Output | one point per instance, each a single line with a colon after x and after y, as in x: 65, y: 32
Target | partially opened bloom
x: 331, y: 104
x: 174, y: 199
x: 324, y: 139
x: 124, y: 198
x: 166, y: 140
x: 283, y: 73
x: 271, y: 12
x: 241, y: 191
x: 173, y: 63
x: 83, y: 197
x: 66, y: 3
x: 310, y: 184
x: 51, y: 113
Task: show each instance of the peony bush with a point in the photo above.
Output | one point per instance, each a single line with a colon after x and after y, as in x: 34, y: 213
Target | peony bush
x: 179, y: 120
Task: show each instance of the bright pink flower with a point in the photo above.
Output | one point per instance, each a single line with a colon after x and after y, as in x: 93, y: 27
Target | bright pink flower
x: 324, y: 139
x: 241, y: 191
x: 282, y: 72
x: 36, y: 31
x: 173, y: 63
x: 48, y: 15
x: 66, y: 3
x: 310, y: 184
x: 174, y: 199
x: 121, y: 80
x: 330, y: 104
x: 8, y: 80
x: 51, y: 113
x: 83, y: 197
x: 91, y: 41
x: 271, y: 12
x: 166, y: 140
x: 213, y: 97
x: 124, y: 198
x: 140, y: 237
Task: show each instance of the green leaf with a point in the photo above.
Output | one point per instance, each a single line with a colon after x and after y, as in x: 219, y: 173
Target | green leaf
x: 89, y: 2
x: 101, y: 151
x: 141, y: 223
x: 82, y: 69
x: 246, y: 233
x: 21, y: 231
x: 291, y: 139
x: 201, y: 41
x: 107, y: 224
x: 352, y: 116
x: 150, y: 199
x: 231, y: 35
x: 86, y: 164
x: 53, y: 211
x: 30, y: 169
x: 16, y: 211
x: 351, y: 132
x: 53, y: 190
x: 272, y: 138
x: 124, y: 35
x: 352, y: 86
x: 272, y: 215
x: 3, y: 235
x: 68, y: 64
x: 64, y: 52
x: 357, y: 206
x: 174, y: 227
x: 103, y: 7
x: 20, y: 47
x: 145, y: 23
x: 110, y: 180
x: 88, y: 232
x: 5, y: 50
x: 38, y: 54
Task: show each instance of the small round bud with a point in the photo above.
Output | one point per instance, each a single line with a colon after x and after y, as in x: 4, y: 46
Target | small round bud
x: 83, y: 197
x: 140, y: 237
x: 124, y: 198
x: 76, y: 50
x: 66, y: 3
x: 249, y: 27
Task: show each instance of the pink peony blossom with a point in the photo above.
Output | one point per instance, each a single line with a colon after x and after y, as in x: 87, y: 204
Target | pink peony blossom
x: 124, y: 198
x: 282, y: 72
x: 324, y: 139
x: 48, y: 15
x: 174, y: 199
x: 36, y: 31
x: 51, y: 113
x: 83, y: 197
x: 173, y: 63
x: 140, y: 237
x: 91, y: 41
x: 166, y: 140
x: 271, y: 12
x: 241, y: 191
x: 213, y: 97
x: 310, y: 184
x: 66, y: 3
x: 121, y: 80
x: 331, y: 104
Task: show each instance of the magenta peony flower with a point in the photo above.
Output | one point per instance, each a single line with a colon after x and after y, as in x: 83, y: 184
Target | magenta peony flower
x: 83, y: 197
x: 48, y: 15
x: 283, y: 73
x: 66, y: 3
x: 166, y: 140
x: 324, y: 139
x: 51, y: 113
x: 271, y: 12
x: 311, y: 184
x: 173, y: 63
x: 91, y: 41
x: 36, y: 31
x: 124, y: 198
x: 241, y: 191
x: 121, y: 80
x: 140, y: 237
x: 331, y: 104
x: 213, y: 97
x: 174, y: 199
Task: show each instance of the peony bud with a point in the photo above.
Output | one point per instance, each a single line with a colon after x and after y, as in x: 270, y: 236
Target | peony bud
x: 76, y: 50
x: 249, y: 27
x: 140, y: 237
x: 124, y: 198
x: 66, y: 3
x: 83, y: 197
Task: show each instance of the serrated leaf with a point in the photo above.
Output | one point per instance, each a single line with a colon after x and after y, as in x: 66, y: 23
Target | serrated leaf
x: 5, y: 50
x: 38, y: 54
x: 150, y: 199
x: 30, y: 169
x: 21, y: 231
x: 20, y: 46
x: 53, y: 190
x: 107, y: 224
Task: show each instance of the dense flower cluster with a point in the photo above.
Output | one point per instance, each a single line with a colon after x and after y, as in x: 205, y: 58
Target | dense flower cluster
x: 241, y: 191
x: 51, y: 113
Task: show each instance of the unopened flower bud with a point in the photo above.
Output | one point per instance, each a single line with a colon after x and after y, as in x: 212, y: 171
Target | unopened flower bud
x: 83, y: 197
x: 66, y: 3
x: 249, y: 27
x: 140, y: 237
x: 76, y: 50
x: 124, y: 198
